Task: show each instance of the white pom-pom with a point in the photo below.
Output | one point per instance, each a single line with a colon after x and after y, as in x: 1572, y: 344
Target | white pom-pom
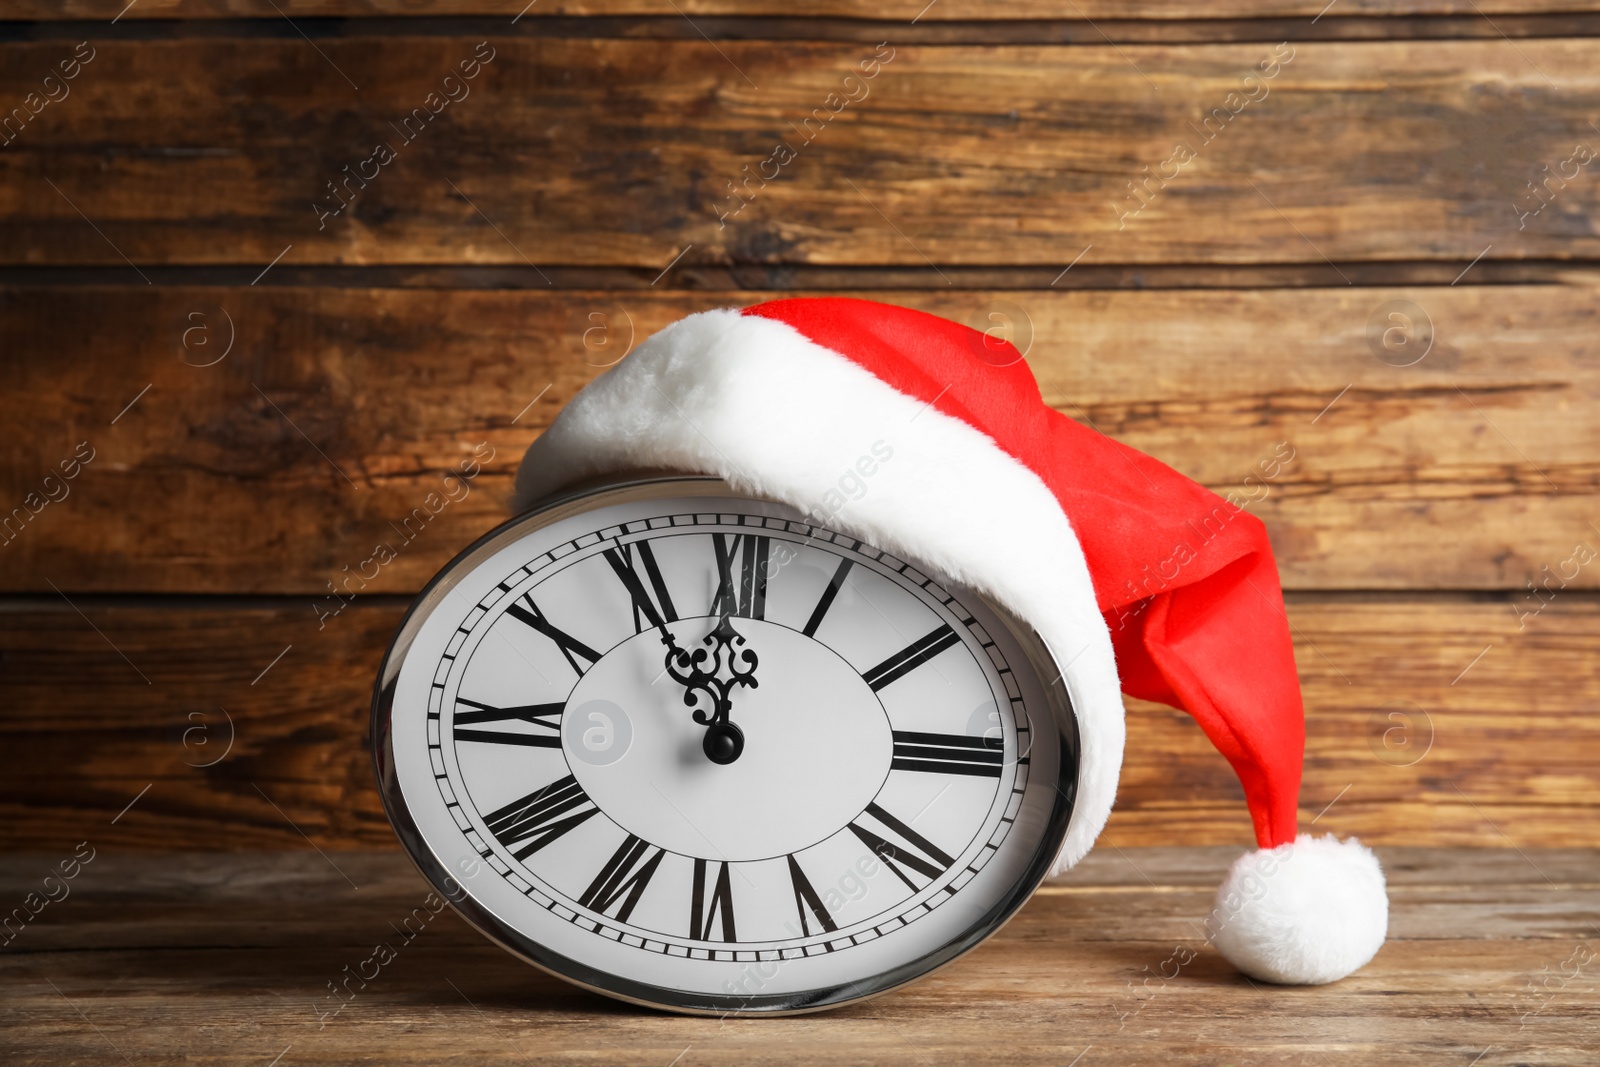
x: 1301, y: 914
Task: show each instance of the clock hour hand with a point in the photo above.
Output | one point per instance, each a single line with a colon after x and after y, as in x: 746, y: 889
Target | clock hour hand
x: 708, y: 676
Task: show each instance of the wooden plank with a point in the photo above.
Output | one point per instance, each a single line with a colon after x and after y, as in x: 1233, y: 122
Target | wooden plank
x: 1053, y: 999
x: 948, y: 10
x: 119, y: 900
x: 798, y: 25
x: 1468, y: 470
x: 1412, y: 736
x: 962, y: 155
x: 742, y: 280
x: 130, y: 963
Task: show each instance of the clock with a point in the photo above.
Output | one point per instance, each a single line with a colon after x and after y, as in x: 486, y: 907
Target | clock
x: 696, y: 750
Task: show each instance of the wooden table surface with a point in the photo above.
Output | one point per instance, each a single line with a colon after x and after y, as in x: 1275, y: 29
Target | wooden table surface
x: 212, y: 958
x: 230, y: 371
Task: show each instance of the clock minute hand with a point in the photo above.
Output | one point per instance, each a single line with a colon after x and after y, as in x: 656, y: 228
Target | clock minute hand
x: 709, y: 675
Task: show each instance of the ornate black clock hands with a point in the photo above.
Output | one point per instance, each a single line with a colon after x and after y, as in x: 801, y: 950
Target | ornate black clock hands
x: 708, y: 676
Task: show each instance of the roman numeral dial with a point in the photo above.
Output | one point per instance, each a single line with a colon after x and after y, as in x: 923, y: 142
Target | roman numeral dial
x: 547, y: 716
x: 568, y: 696
x: 573, y: 649
x: 741, y: 590
x: 711, y: 909
x: 527, y: 825
x: 651, y: 601
x: 911, y: 657
x: 825, y: 602
x: 623, y: 879
x: 947, y: 753
x: 808, y: 903
x: 914, y: 859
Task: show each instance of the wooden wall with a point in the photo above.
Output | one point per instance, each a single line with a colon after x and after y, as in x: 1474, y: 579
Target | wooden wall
x: 249, y: 389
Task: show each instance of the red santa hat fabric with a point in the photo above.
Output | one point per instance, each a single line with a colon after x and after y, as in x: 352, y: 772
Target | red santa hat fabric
x: 1122, y: 565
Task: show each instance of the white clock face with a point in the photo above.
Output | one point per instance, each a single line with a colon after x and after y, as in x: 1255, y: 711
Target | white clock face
x: 700, y: 752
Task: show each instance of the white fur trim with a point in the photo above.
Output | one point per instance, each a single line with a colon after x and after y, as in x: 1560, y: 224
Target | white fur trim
x: 1302, y: 914
x: 759, y: 404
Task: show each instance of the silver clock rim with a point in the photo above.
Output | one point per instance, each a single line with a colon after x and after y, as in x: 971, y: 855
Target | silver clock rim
x: 632, y: 488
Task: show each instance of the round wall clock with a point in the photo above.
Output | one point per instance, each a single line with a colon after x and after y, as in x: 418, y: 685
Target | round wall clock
x: 692, y: 749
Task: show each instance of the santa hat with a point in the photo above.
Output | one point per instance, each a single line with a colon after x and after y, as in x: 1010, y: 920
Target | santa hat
x: 1122, y: 565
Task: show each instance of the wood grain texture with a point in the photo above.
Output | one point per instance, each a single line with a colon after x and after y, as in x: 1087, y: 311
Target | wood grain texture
x: 210, y: 959
x: 1412, y: 735
x: 1000, y: 155
x: 746, y: 281
x: 335, y: 413
x: 906, y: 10
x: 798, y: 25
